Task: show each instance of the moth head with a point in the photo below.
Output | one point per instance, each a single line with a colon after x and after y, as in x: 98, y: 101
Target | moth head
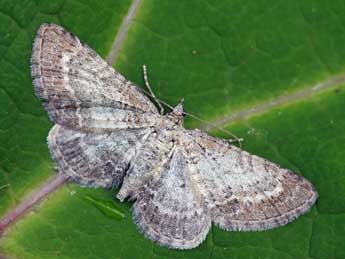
x: 178, y: 112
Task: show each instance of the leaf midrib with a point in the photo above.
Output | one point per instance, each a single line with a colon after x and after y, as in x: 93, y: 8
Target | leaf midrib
x: 266, y: 106
x: 123, y: 31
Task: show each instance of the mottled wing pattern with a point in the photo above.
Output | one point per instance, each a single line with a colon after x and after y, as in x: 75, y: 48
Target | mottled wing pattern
x: 103, y: 118
x: 100, y: 115
x: 170, y: 210
x: 94, y: 159
x: 80, y: 89
x: 246, y: 192
x: 147, y: 163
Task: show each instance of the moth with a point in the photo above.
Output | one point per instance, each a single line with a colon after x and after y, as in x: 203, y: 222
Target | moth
x: 108, y: 133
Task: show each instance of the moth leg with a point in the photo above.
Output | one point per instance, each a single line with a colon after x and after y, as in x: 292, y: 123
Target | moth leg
x: 236, y: 140
x: 151, y: 92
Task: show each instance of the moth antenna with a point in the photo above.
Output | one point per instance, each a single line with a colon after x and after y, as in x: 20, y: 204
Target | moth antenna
x: 234, y: 137
x: 160, y: 102
x: 152, y: 94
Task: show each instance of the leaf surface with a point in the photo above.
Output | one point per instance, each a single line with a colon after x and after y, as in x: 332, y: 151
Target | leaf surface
x: 277, y: 65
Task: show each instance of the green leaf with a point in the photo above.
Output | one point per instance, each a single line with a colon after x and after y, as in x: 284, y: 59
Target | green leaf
x: 269, y: 71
